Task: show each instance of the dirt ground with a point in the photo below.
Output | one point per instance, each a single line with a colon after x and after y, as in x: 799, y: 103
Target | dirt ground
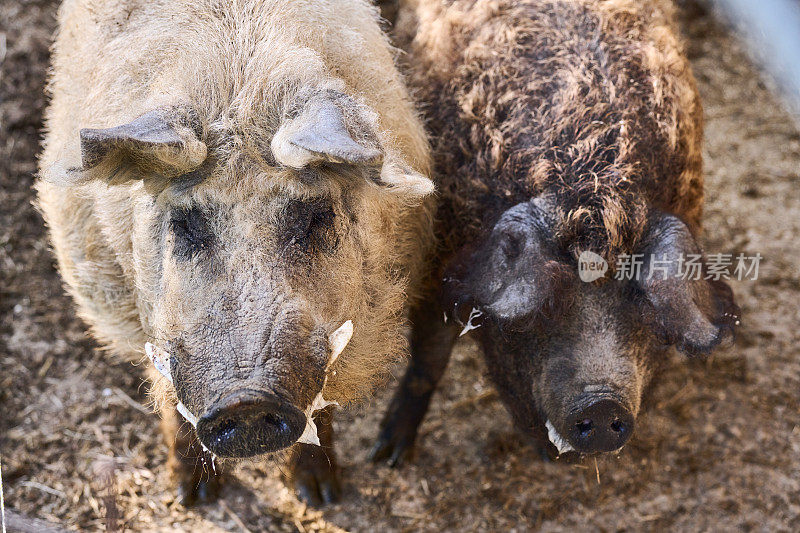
x: 717, y: 450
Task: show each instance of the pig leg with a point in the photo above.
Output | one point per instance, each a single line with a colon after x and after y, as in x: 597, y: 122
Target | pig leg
x: 312, y: 469
x: 431, y: 343
x: 190, y: 466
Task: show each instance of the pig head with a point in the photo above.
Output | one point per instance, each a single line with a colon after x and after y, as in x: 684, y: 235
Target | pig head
x: 250, y: 256
x: 571, y: 359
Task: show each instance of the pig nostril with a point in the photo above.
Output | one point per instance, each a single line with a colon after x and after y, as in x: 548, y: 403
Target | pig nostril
x: 585, y: 427
x: 275, y: 421
x: 227, y: 429
x: 617, y: 425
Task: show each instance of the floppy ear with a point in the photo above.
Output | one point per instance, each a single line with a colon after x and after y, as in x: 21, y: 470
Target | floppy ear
x: 396, y: 174
x: 327, y: 126
x: 690, y: 311
x: 510, y: 275
x: 163, y: 142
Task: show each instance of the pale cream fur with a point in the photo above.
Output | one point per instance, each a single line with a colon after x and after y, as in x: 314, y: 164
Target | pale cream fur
x: 238, y: 64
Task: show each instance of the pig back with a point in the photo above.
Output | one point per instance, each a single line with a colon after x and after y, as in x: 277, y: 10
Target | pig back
x: 590, y: 101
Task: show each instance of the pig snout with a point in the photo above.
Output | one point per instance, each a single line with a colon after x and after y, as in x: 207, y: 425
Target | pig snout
x: 258, y: 410
x: 247, y: 423
x: 598, y: 423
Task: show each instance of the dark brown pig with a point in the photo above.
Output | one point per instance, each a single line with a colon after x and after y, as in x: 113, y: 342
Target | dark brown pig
x: 563, y: 132
x: 238, y: 187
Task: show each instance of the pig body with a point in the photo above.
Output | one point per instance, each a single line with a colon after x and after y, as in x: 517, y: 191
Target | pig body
x: 231, y: 182
x: 559, y: 127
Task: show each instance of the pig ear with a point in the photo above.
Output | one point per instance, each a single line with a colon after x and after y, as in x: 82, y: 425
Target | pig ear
x: 332, y: 127
x: 165, y: 142
x: 686, y: 309
x: 319, y: 133
x: 396, y: 174
x: 510, y: 275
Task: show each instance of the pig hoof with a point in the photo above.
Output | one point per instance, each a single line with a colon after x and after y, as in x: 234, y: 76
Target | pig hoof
x: 315, y: 476
x: 394, y: 451
x: 318, y: 491
x: 198, y: 492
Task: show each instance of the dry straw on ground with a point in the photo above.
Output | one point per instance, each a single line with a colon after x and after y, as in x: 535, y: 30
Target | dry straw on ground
x: 718, y: 449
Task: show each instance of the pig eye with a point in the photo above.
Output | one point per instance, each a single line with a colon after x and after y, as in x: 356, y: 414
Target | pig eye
x: 310, y: 225
x: 511, y: 245
x: 191, y: 231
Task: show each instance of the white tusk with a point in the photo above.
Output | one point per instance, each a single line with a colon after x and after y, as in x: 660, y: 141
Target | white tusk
x: 557, y: 440
x: 186, y: 414
x: 309, y: 435
x: 338, y: 341
x: 159, y: 358
x: 475, y: 313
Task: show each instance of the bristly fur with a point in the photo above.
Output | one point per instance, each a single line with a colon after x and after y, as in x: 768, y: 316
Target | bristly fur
x: 606, y: 119
x: 239, y: 65
x: 561, y: 127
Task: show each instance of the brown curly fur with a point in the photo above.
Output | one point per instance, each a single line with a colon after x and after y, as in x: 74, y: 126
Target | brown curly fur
x: 591, y: 101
